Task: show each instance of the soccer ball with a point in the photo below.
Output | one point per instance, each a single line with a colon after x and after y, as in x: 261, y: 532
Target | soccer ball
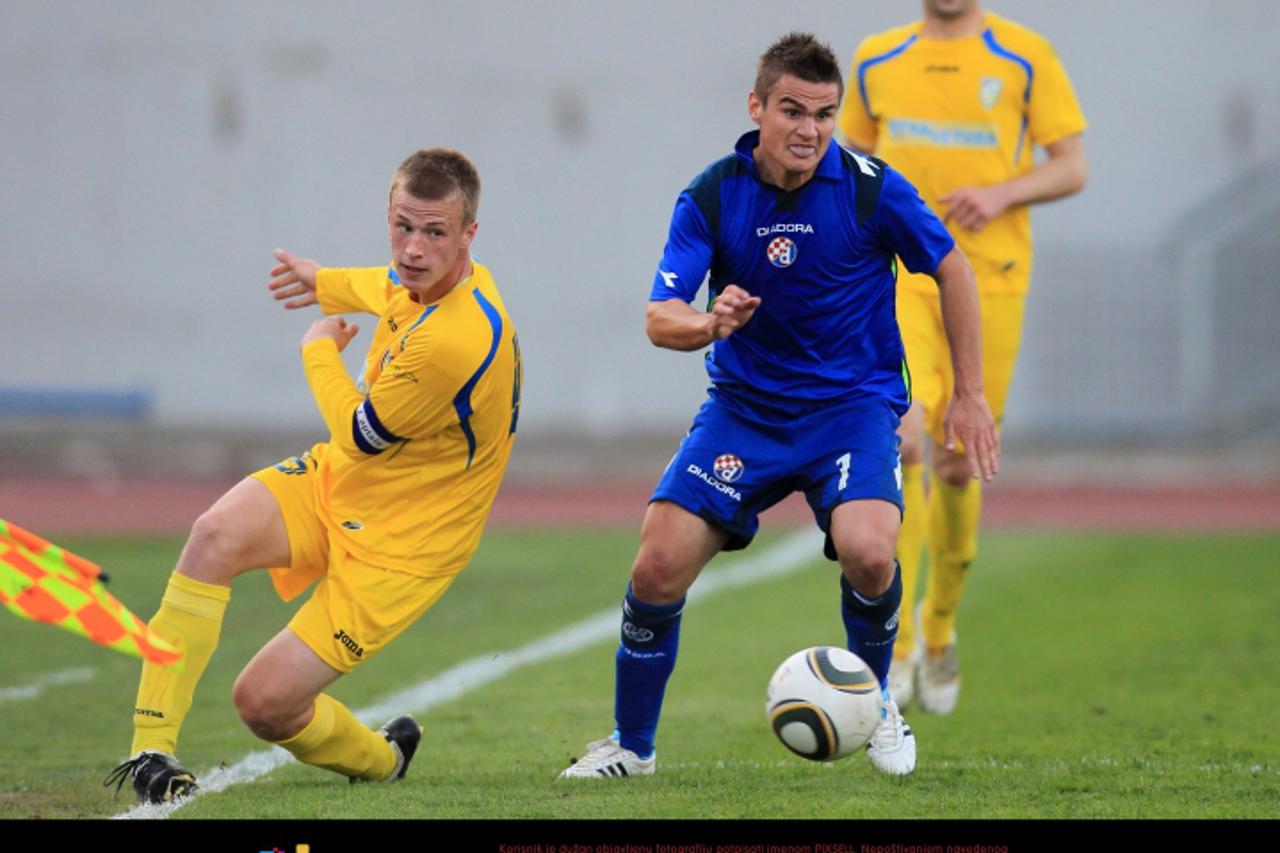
x: 823, y: 703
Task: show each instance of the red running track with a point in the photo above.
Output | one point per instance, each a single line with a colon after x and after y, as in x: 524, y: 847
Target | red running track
x: 54, y: 506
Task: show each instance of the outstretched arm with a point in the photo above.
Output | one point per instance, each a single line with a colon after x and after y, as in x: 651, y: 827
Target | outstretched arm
x: 968, y: 417
x: 675, y: 324
x: 294, y: 279
x: 1062, y: 174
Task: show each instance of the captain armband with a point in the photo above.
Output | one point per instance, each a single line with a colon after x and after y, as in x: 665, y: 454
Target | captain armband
x: 369, y: 433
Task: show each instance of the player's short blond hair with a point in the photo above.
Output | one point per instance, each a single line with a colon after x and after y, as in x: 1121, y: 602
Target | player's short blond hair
x: 434, y: 174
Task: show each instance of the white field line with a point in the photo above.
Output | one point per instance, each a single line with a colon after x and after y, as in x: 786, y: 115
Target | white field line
x: 792, y: 553
x: 37, y: 685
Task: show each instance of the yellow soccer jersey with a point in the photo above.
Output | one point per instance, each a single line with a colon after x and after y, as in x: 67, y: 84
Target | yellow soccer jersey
x: 419, y: 446
x: 963, y: 112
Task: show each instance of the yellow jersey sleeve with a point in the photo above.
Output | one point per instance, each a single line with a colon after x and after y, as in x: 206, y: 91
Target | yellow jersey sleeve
x: 856, y: 124
x: 334, y: 392
x: 353, y: 289
x: 1053, y: 112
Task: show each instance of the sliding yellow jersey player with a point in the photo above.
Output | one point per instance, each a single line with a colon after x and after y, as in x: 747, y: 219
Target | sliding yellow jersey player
x: 383, y: 515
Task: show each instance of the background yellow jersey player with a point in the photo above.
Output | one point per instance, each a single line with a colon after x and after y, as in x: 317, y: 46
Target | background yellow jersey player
x: 384, y: 515
x: 958, y: 102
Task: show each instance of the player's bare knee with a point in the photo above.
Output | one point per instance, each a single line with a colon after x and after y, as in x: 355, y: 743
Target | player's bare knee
x: 213, y: 550
x: 867, y: 562
x: 911, y: 450
x: 954, y: 470
x: 266, y: 715
x: 656, y: 576
x: 252, y: 707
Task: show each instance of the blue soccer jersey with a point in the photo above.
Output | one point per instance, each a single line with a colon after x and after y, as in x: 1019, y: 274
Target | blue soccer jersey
x: 820, y: 257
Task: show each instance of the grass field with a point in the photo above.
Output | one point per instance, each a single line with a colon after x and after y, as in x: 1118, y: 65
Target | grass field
x: 1106, y: 676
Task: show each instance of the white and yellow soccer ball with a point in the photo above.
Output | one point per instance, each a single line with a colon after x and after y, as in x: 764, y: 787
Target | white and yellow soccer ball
x: 823, y: 703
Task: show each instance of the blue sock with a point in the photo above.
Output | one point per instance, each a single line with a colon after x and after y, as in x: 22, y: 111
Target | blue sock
x: 646, y: 656
x: 871, y: 624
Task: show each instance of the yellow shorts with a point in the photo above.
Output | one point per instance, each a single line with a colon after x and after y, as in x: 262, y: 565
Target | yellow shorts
x: 929, y: 358
x: 356, y: 608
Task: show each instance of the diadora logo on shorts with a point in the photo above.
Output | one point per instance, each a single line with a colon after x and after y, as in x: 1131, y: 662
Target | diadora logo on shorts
x: 723, y: 488
x: 728, y: 467
x: 346, y: 640
x: 636, y: 633
x: 892, y: 624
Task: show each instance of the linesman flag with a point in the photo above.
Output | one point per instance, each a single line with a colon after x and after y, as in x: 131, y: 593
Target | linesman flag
x: 43, y: 582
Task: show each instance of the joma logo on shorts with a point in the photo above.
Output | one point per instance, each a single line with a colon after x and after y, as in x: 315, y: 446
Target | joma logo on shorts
x: 346, y: 640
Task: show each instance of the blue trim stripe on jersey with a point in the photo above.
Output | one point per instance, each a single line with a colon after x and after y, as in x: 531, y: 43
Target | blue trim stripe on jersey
x: 418, y: 322
x: 876, y: 60
x: 462, y: 401
x: 369, y: 433
x: 1000, y: 50
x: 393, y: 276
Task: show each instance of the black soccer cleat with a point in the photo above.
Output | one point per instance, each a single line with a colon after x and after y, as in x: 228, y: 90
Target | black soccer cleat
x: 404, y: 734
x: 157, y: 777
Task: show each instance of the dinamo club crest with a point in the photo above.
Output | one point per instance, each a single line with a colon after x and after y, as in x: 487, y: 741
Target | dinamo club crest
x: 781, y: 252
x: 729, y: 467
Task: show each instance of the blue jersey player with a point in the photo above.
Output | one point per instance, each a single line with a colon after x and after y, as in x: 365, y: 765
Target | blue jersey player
x: 797, y: 239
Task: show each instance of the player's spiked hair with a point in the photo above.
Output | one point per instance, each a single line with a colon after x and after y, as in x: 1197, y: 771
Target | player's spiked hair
x: 800, y: 55
x: 433, y: 174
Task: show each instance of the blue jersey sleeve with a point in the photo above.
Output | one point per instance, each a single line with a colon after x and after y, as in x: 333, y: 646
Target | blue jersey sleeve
x: 687, y: 256
x: 909, y: 228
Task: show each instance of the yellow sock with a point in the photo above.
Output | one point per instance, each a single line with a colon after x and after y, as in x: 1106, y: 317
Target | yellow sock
x: 953, y: 540
x: 190, y: 616
x: 911, y: 541
x: 337, y: 741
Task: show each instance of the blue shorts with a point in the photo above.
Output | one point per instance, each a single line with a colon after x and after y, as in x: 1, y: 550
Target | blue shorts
x: 742, y: 457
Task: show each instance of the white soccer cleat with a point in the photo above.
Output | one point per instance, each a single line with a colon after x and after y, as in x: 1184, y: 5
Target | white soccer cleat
x: 902, y: 678
x: 892, y: 748
x: 606, y: 759
x: 938, y: 681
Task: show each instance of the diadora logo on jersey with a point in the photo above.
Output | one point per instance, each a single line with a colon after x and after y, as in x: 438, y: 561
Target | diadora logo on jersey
x: 728, y: 467
x: 668, y: 277
x: 989, y: 91
x: 781, y: 252
x: 352, y: 525
x: 785, y: 228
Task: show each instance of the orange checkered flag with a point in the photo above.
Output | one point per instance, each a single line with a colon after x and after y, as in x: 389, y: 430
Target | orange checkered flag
x: 45, y: 583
